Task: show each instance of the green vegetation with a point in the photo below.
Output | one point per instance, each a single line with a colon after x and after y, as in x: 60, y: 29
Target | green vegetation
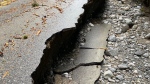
x: 25, y: 37
x: 35, y: 4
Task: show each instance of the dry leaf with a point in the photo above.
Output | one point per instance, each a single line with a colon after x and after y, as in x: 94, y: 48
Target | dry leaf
x: 19, y: 55
x: 13, y: 0
x: 36, y: 24
x: 6, y: 44
x: 5, y: 74
x: 2, y: 49
x: 38, y: 32
x: 58, y: 8
x: 1, y: 54
x: 36, y: 15
x: 27, y: 21
x: 17, y: 37
x: 44, y: 20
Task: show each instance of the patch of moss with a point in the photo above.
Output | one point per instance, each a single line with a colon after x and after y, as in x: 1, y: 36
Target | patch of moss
x: 35, y: 4
x: 25, y: 37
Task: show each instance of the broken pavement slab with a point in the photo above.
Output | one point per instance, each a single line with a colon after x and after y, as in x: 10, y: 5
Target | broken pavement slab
x: 96, y: 38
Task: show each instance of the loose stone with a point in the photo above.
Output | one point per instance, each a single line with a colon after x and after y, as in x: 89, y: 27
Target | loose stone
x: 91, y: 24
x: 147, y: 36
x: 139, y: 53
x: 120, y: 77
x: 112, y: 38
x: 112, y: 69
x: 124, y: 28
x: 123, y: 66
x: 108, y: 74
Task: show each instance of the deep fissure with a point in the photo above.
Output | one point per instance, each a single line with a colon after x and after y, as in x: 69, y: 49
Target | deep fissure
x: 63, y: 42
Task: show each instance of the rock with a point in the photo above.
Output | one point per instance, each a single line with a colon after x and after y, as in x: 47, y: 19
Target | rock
x: 112, y: 16
x: 88, y: 29
x: 107, y: 53
x: 108, y: 74
x: 117, y: 80
x: 123, y: 66
x: 112, y: 52
x: 139, y: 53
x: 125, y: 60
x: 121, y: 12
x: 126, y: 8
x: 111, y: 80
x: 82, y: 44
x: 147, y: 76
x: 146, y: 55
x: 116, y: 57
x: 130, y: 24
x: 112, y: 38
x: 91, y: 24
x: 128, y: 21
x: 1, y: 54
x: 66, y: 75
x: 112, y: 69
x: 147, y: 36
x: 135, y: 71
x: 124, y: 28
x: 131, y: 64
x: 132, y: 37
x: 120, y: 77
x: 140, y: 76
x: 120, y: 18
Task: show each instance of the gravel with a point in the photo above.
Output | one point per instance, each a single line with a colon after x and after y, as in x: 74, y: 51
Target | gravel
x: 108, y: 74
x: 128, y: 49
x: 120, y: 77
x: 123, y: 66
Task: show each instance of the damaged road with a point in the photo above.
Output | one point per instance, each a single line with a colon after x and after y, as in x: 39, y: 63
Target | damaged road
x: 33, y: 26
x: 87, y: 61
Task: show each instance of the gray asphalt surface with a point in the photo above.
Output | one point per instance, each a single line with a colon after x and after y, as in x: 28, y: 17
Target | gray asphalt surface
x: 22, y: 56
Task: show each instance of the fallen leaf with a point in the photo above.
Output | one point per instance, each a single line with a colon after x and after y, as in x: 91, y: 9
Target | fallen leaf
x: 27, y: 21
x: 17, y: 37
x: 58, y: 8
x: 1, y: 54
x: 5, y: 74
x: 6, y: 44
x: 38, y: 32
x: 2, y: 49
x: 10, y: 41
x: 13, y: 0
x: 36, y: 15
x: 19, y: 55
x: 44, y: 20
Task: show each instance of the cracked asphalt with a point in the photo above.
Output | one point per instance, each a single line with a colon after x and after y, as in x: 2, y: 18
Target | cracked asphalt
x: 24, y: 30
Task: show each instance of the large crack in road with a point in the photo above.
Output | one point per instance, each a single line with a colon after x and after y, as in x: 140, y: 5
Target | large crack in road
x: 60, y: 43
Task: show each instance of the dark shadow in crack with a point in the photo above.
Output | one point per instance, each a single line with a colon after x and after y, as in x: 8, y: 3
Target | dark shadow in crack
x: 54, y: 45
x: 63, y: 42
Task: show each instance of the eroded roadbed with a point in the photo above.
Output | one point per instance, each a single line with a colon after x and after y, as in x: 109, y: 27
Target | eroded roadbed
x: 22, y: 56
x: 84, y: 67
